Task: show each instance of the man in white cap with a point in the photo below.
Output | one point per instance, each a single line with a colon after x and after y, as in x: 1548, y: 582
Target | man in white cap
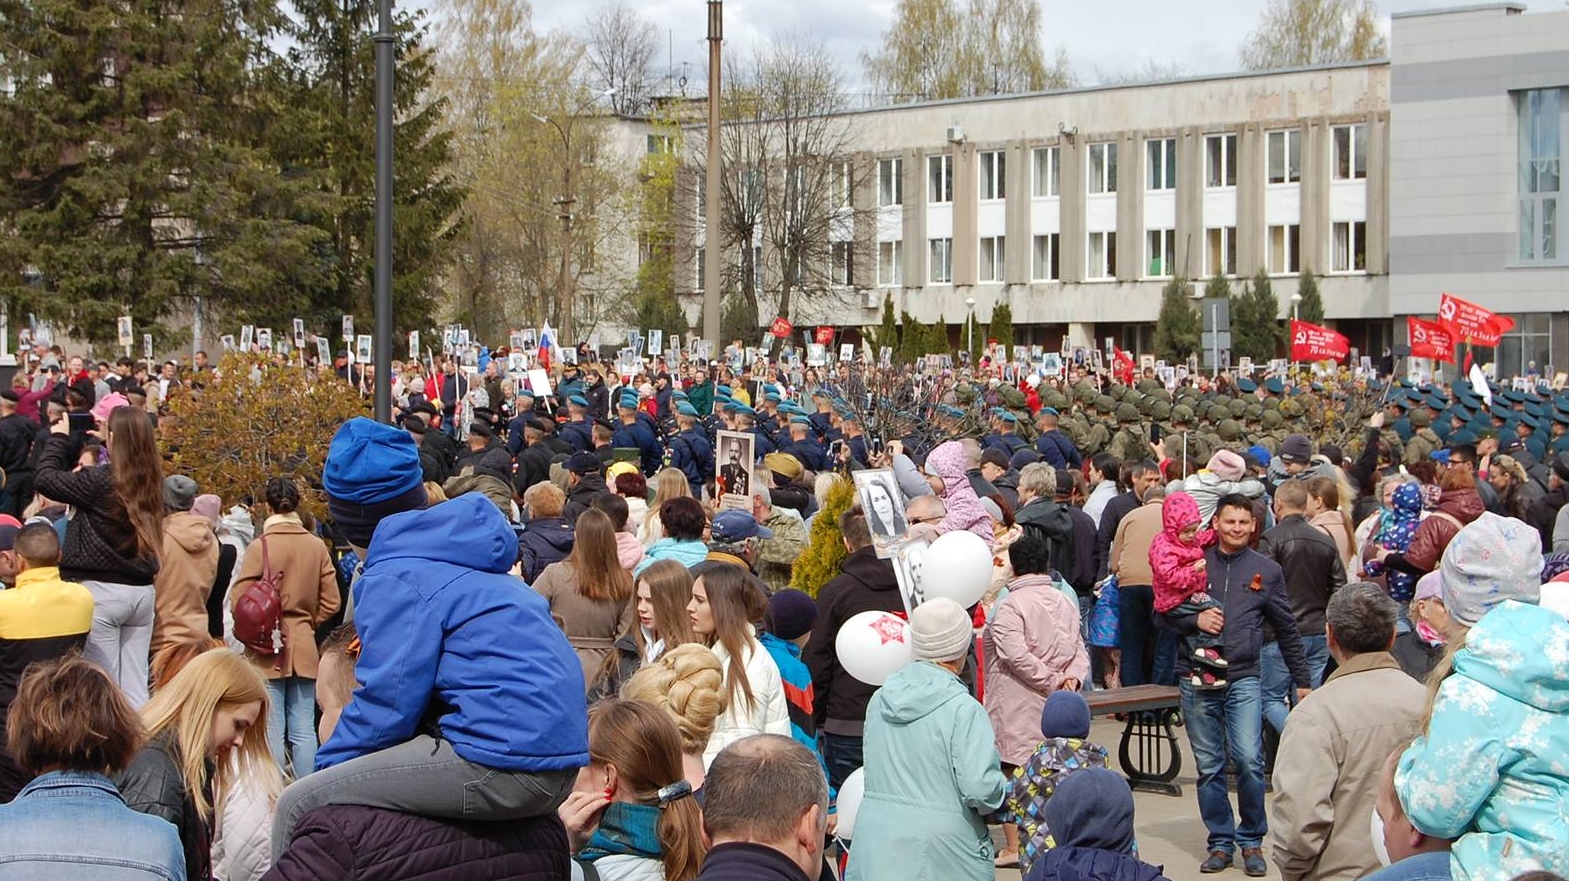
x: 932, y: 769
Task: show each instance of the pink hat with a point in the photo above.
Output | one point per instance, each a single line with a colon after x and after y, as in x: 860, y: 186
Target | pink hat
x: 108, y: 404
x: 1228, y: 465
x: 208, y: 506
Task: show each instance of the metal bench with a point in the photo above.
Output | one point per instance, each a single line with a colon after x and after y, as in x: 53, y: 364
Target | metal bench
x: 1149, y: 753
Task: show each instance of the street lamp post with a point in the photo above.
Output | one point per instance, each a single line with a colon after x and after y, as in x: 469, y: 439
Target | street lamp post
x: 386, y: 40
x: 1296, y: 304
x: 969, y: 343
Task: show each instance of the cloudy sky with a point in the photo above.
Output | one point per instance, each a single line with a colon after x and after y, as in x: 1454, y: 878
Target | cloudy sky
x: 1201, y: 36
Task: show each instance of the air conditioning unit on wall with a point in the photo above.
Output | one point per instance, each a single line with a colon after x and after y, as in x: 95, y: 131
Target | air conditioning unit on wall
x: 872, y: 298
x: 955, y: 134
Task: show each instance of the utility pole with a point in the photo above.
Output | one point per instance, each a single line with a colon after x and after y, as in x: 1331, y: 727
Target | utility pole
x: 385, y: 44
x: 564, y: 212
x: 712, y: 240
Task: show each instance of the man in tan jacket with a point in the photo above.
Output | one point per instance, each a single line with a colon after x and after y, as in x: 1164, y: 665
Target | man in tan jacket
x: 1147, y: 654
x: 1336, y: 740
x: 186, y: 569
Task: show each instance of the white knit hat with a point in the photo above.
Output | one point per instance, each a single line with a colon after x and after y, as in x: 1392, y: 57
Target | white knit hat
x: 940, y: 630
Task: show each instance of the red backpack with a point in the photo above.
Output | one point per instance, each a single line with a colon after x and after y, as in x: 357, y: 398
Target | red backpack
x: 258, y: 613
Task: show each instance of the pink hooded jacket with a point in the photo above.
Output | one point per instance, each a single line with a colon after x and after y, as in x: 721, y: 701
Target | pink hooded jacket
x: 1030, y: 645
x: 965, y: 513
x: 1171, y: 560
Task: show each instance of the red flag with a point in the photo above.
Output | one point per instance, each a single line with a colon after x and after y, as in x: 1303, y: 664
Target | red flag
x: 1123, y: 368
x: 1309, y: 342
x: 1430, y: 339
x: 781, y: 328
x: 825, y: 336
x: 1471, y: 322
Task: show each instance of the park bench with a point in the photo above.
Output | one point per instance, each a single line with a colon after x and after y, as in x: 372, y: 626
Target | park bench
x: 1148, y: 752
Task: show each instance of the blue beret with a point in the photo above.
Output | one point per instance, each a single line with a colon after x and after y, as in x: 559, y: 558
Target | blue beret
x: 686, y: 409
x: 578, y: 400
x: 1274, y: 386
x: 800, y: 420
x: 1048, y: 411
x: 1247, y: 385
x: 773, y: 396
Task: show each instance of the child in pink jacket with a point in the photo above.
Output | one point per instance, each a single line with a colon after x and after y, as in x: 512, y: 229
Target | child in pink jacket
x: 1177, y: 563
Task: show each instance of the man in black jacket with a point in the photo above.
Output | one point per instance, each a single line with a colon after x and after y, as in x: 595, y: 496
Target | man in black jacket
x: 865, y: 584
x: 1251, y: 590
x: 1314, y: 572
x: 765, y: 810
x: 586, y: 483
x: 17, y: 434
x: 1141, y: 476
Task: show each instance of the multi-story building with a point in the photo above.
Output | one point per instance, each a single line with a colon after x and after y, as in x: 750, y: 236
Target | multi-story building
x: 1077, y: 207
x: 1479, y: 113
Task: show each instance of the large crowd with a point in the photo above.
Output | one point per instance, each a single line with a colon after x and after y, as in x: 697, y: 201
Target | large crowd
x: 542, y: 632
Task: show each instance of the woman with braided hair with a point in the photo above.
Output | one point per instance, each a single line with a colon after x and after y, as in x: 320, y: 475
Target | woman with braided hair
x: 688, y: 683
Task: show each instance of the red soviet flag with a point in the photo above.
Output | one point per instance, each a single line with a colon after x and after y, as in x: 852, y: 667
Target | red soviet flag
x: 1429, y: 339
x: 781, y: 328
x: 1122, y: 366
x: 1309, y: 342
x: 825, y: 336
x: 1472, y: 323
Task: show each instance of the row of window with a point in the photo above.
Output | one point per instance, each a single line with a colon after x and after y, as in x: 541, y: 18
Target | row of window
x: 1348, y: 253
x: 1283, y: 165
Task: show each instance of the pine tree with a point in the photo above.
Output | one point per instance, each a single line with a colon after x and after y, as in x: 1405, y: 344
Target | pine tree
x: 937, y: 338
x: 1311, y: 309
x: 912, y: 339
x: 134, y: 176
x: 1001, y: 328
x: 887, y: 333
x: 1178, y: 330
x: 332, y: 90
x: 1255, y: 323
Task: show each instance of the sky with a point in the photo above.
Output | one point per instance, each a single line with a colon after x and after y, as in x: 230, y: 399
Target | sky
x: 1108, y: 36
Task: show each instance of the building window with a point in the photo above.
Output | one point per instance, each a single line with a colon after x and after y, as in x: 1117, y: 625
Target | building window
x: 1541, y: 177
x: 939, y: 178
x: 1220, y: 155
x: 1161, y: 170
x: 1220, y: 255
x: 659, y: 144
x: 757, y: 268
x: 1159, y: 250
x: 890, y: 182
x: 841, y: 262
x: 940, y: 262
x: 1103, y: 255
x: 1285, y: 247
x: 839, y: 180
x: 994, y: 169
x: 1285, y: 156
x: 890, y: 264
x: 1103, y: 168
x: 991, y: 258
x: 1044, y: 179
x: 702, y: 276
x: 1043, y: 259
x: 1350, y: 247
x: 1350, y: 152
x: 1529, y: 341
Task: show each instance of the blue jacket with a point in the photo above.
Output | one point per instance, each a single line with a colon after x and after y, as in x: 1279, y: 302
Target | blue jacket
x: 41, y: 834
x: 641, y: 437
x: 448, y: 632
x: 1089, y: 864
x: 797, y: 681
x: 1247, y: 611
x: 1490, y: 769
x: 691, y: 452
x: 932, y: 774
x: 688, y: 553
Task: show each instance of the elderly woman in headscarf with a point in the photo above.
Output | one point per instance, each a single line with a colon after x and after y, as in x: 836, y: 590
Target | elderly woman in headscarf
x: 948, y: 464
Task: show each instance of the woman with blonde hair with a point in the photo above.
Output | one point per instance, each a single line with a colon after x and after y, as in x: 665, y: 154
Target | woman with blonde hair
x: 663, y: 591
x: 725, y: 601
x: 1324, y: 512
x: 590, y: 592
x: 688, y: 683
x: 631, y: 814
x: 202, y: 731
x: 669, y: 483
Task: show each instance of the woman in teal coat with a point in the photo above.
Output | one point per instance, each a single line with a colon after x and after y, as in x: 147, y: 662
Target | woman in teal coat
x: 932, y: 770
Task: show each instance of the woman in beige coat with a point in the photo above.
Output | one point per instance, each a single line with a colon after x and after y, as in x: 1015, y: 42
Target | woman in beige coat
x: 1324, y: 511
x: 309, y: 593
x: 589, y: 593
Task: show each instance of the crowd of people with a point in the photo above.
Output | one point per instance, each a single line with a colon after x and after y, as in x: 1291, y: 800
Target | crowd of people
x: 534, y: 636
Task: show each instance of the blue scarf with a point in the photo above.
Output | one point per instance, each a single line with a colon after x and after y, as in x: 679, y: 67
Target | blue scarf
x: 625, y: 828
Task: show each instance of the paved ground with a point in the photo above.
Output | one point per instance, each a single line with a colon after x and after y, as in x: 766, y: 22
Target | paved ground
x: 1169, y: 830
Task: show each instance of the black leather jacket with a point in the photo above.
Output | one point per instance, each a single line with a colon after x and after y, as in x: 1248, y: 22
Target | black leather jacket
x: 152, y: 784
x: 1312, y: 566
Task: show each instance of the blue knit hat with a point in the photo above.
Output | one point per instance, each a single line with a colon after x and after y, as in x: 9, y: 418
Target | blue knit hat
x: 372, y: 472
x: 1066, y: 714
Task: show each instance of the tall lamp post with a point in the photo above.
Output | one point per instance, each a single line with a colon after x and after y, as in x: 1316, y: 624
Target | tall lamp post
x: 969, y: 342
x: 386, y: 43
x: 712, y: 180
x: 1296, y: 304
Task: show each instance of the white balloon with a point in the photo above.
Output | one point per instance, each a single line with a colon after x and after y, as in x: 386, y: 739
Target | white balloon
x: 872, y: 645
x: 848, y: 804
x: 1555, y: 596
x: 958, y: 565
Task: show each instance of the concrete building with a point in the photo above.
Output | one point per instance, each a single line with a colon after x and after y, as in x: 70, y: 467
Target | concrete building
x: 1077, y: 207
x: 1479, y: 111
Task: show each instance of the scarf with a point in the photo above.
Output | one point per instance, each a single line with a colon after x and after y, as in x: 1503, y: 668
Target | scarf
x: 625, y: 828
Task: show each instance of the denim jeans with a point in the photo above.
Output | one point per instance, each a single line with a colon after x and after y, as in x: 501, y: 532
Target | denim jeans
x: 1215, y: 721
x: 122, y: 635
x: 843, y: 753
x: 291, y: 722
x: 1136, y: 625
x: 1278, y: 694
x: 1422, y: 867
x: 421, y: 776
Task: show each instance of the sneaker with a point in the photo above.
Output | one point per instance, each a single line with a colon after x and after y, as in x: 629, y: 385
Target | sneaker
x: 1253, y: 862
x: 1219, y: 861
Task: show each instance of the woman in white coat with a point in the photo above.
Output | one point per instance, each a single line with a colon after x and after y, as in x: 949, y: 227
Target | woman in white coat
x: 725, y: 602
